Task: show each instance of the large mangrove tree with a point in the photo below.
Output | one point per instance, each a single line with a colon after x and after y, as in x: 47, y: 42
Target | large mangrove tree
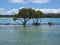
x: 26, y: 14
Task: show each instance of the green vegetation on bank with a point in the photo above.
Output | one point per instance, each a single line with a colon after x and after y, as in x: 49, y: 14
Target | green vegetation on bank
x: 6, y: 16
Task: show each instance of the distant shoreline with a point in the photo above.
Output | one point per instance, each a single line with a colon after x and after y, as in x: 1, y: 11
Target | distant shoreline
x: 49, y: 15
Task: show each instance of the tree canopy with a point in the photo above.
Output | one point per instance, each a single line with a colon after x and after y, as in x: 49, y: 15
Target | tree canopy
x: 27, y: 14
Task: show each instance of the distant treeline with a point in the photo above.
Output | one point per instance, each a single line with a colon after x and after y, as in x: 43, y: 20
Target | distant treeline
x: 6, y: 16
x: 51, y: 15
x: 45, y: 15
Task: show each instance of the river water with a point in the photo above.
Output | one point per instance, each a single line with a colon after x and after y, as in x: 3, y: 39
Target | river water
x: 42, y: 20
x: 30, y: 35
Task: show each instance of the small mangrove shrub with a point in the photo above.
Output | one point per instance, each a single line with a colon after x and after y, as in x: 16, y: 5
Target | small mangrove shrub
x: 50, y: 23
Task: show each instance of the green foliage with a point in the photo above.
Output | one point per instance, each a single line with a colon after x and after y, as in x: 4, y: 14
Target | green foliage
x: 50, y: 23
x: 38, y: 14
x: 15, y: 17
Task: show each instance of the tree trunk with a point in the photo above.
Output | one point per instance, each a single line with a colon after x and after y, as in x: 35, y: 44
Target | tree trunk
x: 37, y: 20
x: 24, y: 23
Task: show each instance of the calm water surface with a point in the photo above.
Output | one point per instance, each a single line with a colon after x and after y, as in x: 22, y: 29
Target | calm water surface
x: 30, y: 35
x: 44, y: 20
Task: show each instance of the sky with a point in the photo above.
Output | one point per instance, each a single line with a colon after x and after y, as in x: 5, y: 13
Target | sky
x: 9, y: 7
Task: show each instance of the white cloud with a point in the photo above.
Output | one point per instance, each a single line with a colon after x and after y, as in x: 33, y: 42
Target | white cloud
x: 15, y: 11
x: 50, y: 10
x: 16, y: 1
x: 28, y: 1
x: 39, y: 1
x: 1, y: 9
x: 9, y: 12
x: 21, y: 7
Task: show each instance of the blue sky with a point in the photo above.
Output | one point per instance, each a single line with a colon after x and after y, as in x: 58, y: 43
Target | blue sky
x: 12, y: 6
